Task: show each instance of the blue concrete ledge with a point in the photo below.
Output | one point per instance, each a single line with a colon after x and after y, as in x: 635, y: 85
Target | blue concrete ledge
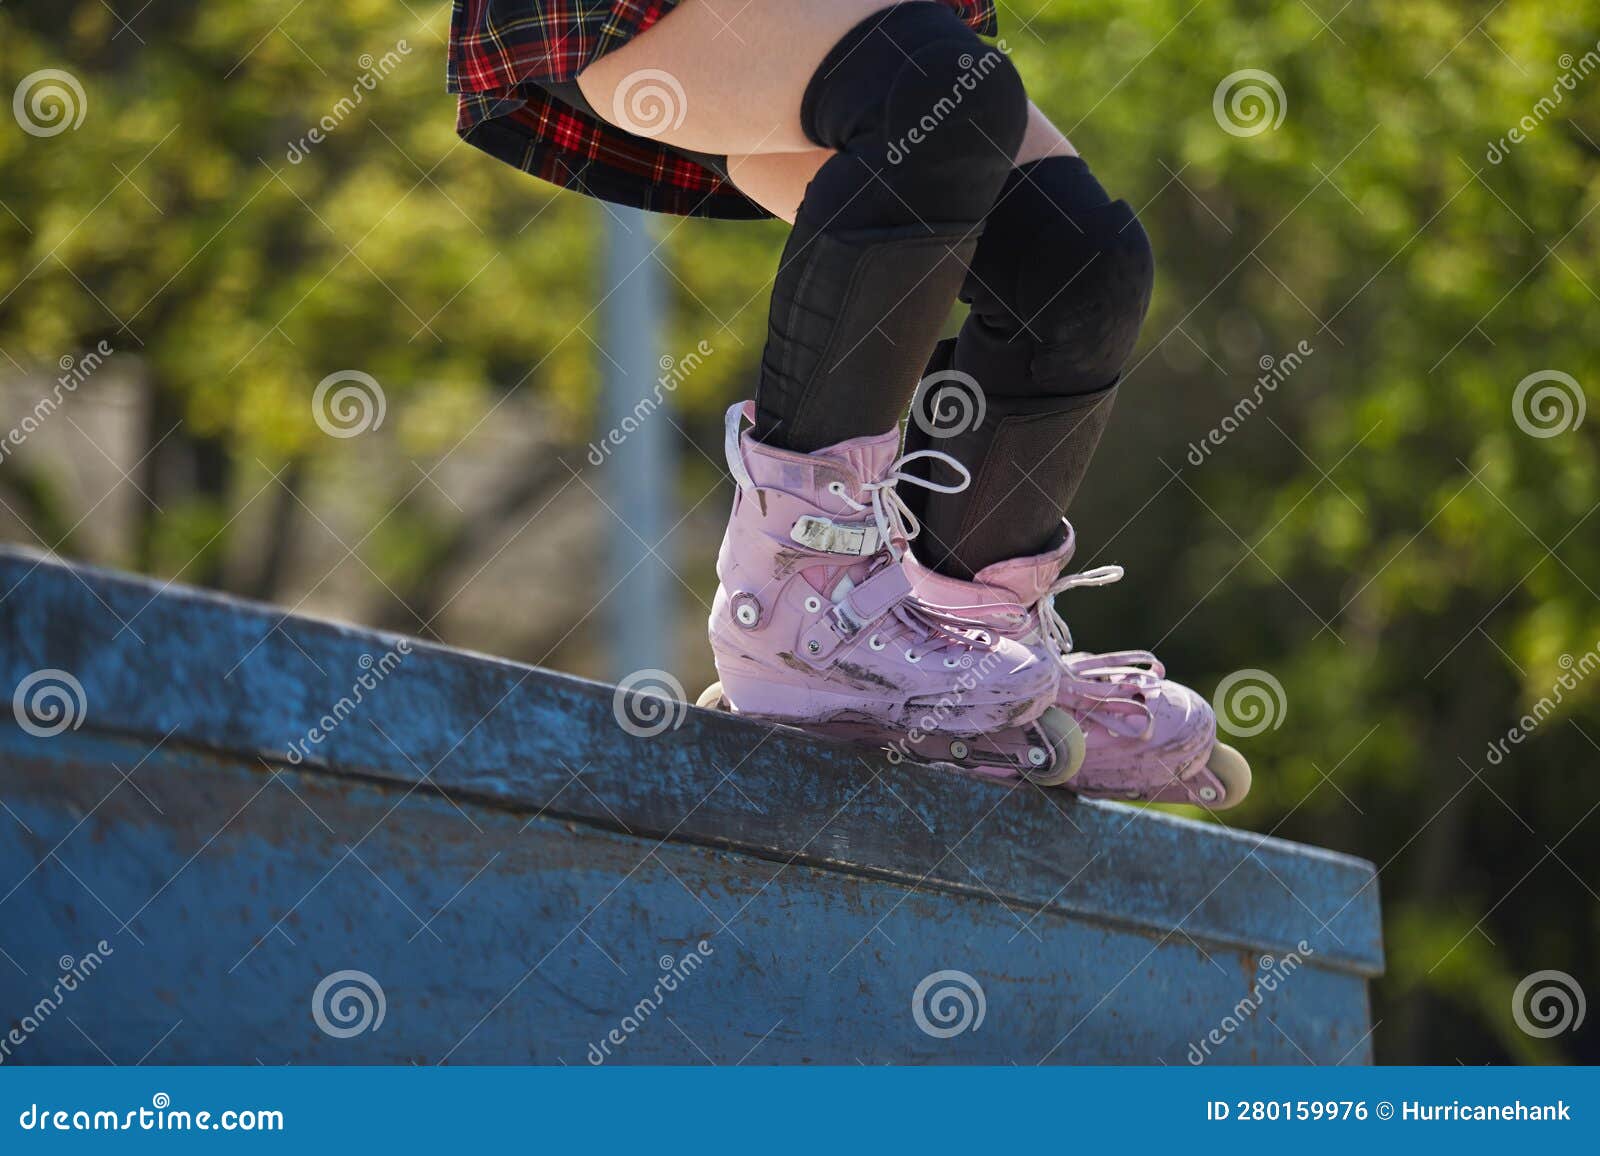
x: 521, y: 876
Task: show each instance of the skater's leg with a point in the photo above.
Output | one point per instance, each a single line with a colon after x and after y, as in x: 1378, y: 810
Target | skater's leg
x: 1042, y: 139
x: 1052, y: 415
x: 884, y: 231
x: 777, y: 181
x: 742, y: 69
x: 814, y: 622
x: 1059, y: 287
x: 1167, y: 752
x: 922, y: 120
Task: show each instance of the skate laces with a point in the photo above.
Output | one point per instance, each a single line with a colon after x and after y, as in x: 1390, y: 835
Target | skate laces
x: 897, y: 525
x: 940, y: 626
x: 1051, y: 624
x: 1114, y: 682
x: 893, y: 517
x: 895, y: 521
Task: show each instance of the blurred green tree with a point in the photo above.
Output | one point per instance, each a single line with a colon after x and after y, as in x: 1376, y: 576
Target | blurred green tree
x: 253, y: 200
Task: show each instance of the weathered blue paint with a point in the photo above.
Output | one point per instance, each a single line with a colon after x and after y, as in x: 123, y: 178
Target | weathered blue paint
x: 510, y: 864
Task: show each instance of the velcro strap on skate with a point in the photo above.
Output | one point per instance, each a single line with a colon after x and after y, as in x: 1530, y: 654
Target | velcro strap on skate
x: 866, y: 603
x: 829, y: 537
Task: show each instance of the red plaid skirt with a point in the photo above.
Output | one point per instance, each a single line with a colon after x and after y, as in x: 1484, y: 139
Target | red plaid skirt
x: 503, y: 51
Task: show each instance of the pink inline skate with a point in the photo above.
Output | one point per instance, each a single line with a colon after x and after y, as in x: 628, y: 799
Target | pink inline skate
x: 815, y: 624
x: 1148, y: 738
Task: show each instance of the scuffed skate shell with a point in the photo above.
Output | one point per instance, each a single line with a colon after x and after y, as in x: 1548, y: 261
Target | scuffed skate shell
x: 1225, y: 762
x: 1049, y: 762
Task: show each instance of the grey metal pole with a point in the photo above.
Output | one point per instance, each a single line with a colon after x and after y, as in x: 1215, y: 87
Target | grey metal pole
x: 640, y: 474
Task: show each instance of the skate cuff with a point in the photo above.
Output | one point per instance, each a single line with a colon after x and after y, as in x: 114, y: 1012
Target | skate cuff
x: 865, y: 604
x: 830, y: 537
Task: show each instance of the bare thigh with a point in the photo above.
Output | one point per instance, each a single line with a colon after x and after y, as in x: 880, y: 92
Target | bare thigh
x: 777, y: 181
x: 723, y: 76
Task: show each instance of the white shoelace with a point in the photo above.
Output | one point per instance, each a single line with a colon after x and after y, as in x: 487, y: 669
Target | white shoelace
x: 1116, y: 680
x: 896, y: 523
x: 1053, y: 626
x: 894, y: 519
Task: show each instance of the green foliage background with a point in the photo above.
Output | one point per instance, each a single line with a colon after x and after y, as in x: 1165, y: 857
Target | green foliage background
x: 1380, y: 536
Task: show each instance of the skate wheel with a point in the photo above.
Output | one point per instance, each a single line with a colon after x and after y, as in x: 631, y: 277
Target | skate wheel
x: 1233, y: 771
x: 711, y: 698
x: 1066, y: 744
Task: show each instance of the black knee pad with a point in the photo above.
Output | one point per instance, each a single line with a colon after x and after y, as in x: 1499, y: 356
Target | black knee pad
x: 936, y: 112
x: 925, y: 120
x: 1059, y: 285
x: 1062, y: 276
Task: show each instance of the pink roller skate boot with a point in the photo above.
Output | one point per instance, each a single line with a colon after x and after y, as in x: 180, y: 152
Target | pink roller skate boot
x: 814, y: 623
x: 1147, y: 738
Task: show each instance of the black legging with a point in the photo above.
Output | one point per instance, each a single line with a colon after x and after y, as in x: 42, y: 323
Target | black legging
x: 925, y: 120
x: 1059, y: 287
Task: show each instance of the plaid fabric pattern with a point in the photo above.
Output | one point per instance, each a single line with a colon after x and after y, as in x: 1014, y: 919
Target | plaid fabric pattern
x: 500, y: 51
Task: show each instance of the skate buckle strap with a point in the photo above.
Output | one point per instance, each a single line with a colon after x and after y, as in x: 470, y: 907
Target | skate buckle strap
x: 866, y: 603
x: 830, y: 537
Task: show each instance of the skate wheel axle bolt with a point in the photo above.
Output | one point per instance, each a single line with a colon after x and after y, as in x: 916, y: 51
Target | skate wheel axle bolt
x: 958, y: 749
x: 746, y: 611
x: 1209, y: 794
x: 1038, y: 756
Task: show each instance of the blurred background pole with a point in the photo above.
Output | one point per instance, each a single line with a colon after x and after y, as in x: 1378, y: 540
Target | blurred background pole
x: 640, y: 476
